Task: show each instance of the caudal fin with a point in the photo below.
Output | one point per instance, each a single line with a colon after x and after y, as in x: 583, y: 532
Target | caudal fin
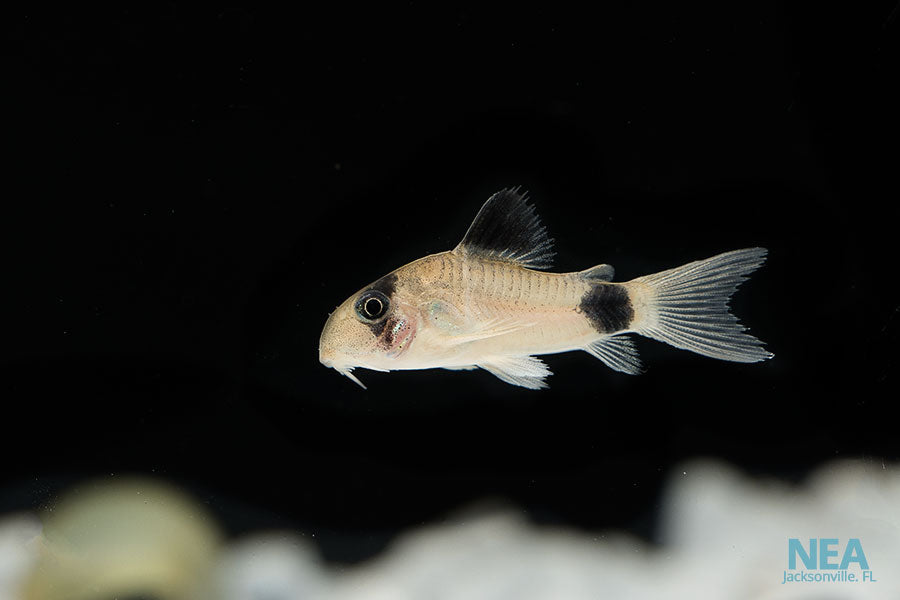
x: 687, y: 307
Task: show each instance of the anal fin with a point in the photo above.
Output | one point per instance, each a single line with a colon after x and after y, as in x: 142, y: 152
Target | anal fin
x: 617, y: 353
x: 525, y: 371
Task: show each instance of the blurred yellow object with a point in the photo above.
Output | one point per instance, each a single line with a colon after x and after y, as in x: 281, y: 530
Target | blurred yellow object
x: 124, y: 538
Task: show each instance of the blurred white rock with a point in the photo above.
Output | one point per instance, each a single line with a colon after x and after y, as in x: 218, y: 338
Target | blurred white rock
x: 502, y: 556
x: 271, y: 566
x: 130, y: 536
x: 735, y: 530
x: 19, y: 538
x: 721, y: 535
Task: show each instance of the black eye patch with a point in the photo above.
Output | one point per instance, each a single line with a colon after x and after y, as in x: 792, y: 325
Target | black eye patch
x: 372, y: 305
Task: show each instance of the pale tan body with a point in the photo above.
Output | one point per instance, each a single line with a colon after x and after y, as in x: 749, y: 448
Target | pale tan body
x: 504, y: 310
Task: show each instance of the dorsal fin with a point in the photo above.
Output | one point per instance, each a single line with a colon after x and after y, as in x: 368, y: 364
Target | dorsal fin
x: 507, y: 229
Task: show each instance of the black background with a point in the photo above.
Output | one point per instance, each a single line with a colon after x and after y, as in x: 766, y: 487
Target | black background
x: 192, y: 191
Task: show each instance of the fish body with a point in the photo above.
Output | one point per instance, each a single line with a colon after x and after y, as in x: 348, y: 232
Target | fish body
x: 489, y: 304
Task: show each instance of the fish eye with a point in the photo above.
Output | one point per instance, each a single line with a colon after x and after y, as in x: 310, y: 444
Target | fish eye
x: 372, y: 305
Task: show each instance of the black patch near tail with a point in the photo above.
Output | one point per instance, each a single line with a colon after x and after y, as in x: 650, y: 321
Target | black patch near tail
x: 608, y: 307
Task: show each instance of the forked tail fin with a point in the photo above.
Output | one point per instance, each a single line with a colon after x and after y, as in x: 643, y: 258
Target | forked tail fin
x: 687, y: 306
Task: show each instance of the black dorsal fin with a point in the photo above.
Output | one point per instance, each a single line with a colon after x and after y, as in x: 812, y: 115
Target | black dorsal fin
x: 507, y: 229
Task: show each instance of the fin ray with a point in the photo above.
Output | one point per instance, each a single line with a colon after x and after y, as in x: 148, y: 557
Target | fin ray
x: 687, y: 307
x: 618, y: 353
x: 525, y: 371
x: 488, y: 329
x: 458, y: 328
x: 507, y: 229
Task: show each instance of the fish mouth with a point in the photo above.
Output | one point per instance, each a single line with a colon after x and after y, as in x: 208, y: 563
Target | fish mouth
x: 347, y: 370
x: 328, y: 361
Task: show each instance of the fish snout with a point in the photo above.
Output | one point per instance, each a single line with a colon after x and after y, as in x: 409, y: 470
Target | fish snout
x: 328, y: 351
x: 331, y: 354
x: 327, y: 356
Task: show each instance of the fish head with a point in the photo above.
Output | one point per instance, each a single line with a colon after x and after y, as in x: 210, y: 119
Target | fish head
x: 372, y: 329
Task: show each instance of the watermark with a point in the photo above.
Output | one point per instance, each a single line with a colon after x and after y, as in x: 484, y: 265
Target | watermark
x: 827, y: 560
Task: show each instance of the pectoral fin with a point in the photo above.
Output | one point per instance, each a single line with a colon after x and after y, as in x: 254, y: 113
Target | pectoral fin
x: 490, y: 328
x: 525, y: 371
x: 458, y: 329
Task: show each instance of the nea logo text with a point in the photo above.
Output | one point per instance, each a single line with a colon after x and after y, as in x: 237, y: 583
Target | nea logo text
x: 827, y: 551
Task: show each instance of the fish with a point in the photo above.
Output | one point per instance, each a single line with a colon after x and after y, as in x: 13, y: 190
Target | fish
x: 492, y: 303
